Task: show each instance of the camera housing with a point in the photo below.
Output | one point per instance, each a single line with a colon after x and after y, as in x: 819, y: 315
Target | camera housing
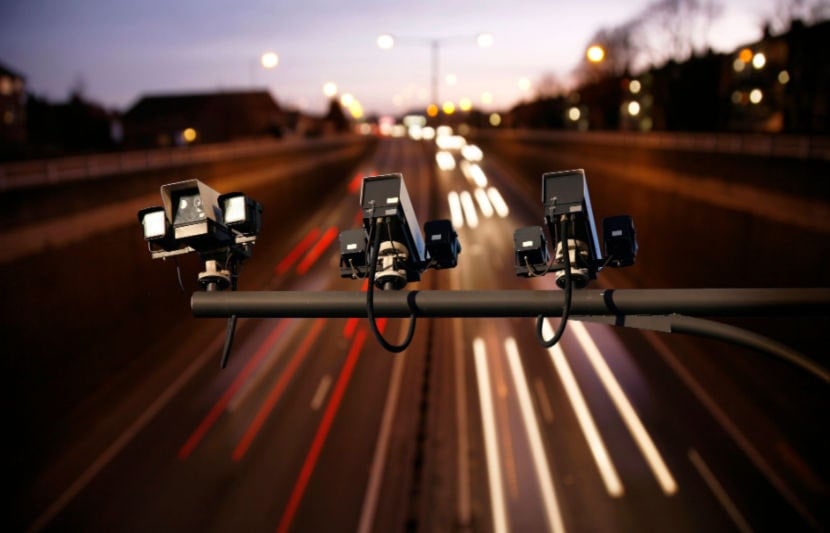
x: 442, y: 244
x: 620, y: 239
x: 354, y: 248
x: 387, y: 208
x: 241, y: 213
x: 566, y: 193
x: 196, y: 218
x: 192, y: 208
x: 530, y: 252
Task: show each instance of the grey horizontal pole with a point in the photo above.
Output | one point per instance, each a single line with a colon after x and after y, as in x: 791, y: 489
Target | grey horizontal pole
x: 514, y: 303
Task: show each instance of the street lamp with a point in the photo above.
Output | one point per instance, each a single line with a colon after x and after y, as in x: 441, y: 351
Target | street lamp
x: 268, y: 60
x: 330, y: 89
x: 595, y: 53
x: 387, y: 41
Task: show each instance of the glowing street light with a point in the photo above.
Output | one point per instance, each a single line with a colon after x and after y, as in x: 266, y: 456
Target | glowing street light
x: 330, y: 89
x: 269, y: 60
x: 595, y: 53
x: 387, y: 41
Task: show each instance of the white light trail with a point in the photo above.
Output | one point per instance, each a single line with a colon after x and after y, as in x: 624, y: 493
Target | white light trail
x: 445, y: 160
x: 537, y: 449
x: 478, y: 176
x: 632, y: 421
x: 472, y: 152
x: 491, y: 444
x: 469, y: 209
x: 484, y: 203
x: 498, y: 202
x: 455, y: 210
x: 583, y: 415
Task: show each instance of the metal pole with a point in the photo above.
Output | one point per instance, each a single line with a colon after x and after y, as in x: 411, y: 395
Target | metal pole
x: 435, y: 45
x: 515, y: 303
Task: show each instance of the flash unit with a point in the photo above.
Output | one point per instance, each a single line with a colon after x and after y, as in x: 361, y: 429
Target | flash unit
x: 240, y: 212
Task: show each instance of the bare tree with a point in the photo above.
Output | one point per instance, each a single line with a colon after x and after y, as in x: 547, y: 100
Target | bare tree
x: 675, y: 29
x: 786, y: 11
x: 620, y: 52
x: 548, y: 86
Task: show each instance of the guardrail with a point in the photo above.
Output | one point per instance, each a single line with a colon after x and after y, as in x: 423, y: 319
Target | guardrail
x: 42, y: 172
x: 770, y: 145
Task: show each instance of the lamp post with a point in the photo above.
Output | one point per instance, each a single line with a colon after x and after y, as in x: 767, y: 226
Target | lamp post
x: 387, y: 41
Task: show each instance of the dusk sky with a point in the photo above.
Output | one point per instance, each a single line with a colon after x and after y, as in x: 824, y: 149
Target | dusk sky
x: 117, y: 51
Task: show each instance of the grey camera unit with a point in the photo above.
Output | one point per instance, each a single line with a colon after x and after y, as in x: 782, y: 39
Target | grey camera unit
x: 566, y: 193
x: 387, y: 208
x: 194, y: 214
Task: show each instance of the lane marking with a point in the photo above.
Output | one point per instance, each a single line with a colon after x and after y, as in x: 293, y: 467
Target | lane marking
x: 606, y: 467
x: 537, y: 450
x: 322, y: 433
x: 503, y: 418
x: 273, y: 355
x: 370, y: 501
x: 719, y: 491
x: 626, y: 410
x: 126, y: 437
x: 320, y: 393
x: 730, y: 427
x: 218, y: 408
x: 491, y: 444
x: 276, y: 392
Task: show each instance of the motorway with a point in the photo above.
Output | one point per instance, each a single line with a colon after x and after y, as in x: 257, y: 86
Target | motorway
x: 475, y: 427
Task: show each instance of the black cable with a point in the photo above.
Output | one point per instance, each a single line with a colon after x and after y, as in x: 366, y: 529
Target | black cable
x: 370, y: 298
x: 226, y: 351
x: 564, y: 230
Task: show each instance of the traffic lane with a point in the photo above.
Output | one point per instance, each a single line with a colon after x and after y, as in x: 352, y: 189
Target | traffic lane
x: 263, y: 252
x: 330, y: 485
x: 332, y: 481
x: 108, y: 318
x: 776, y: 413
x: 749, y: 426
x: 631, y: 460
x: 525, y: 496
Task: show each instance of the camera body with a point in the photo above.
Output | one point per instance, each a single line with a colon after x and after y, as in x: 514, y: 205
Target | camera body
x: 566, y: 193
x: 387, y: 208
x: 402, y: 252
x: 442, y: 244
x: 566, y: 200
x: 196, y: 218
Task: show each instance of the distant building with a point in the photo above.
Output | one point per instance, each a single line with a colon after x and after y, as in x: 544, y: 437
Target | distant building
x: 12, y: 109
x: 170, y: 120
x: 72, y: 127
